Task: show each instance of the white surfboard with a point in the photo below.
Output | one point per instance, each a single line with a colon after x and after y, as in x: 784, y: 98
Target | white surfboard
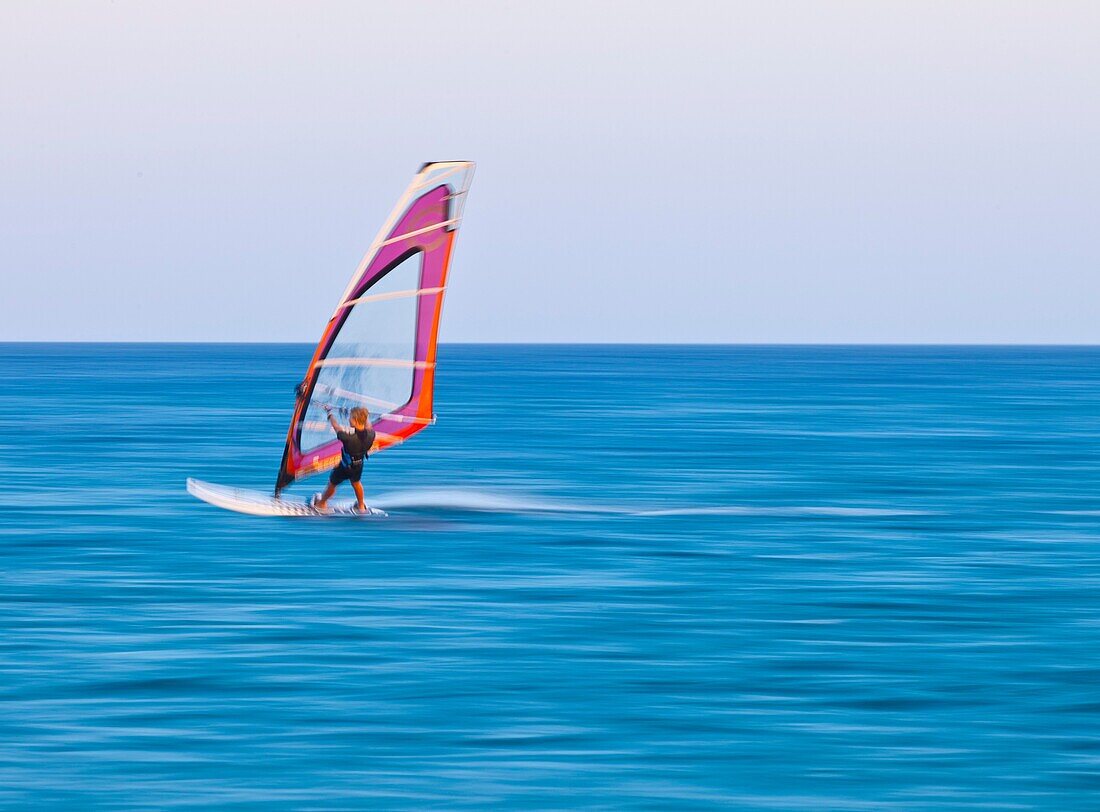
x: 256, y: 503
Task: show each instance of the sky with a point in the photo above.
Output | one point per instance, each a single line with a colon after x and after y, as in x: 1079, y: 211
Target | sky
x: 647, y: 172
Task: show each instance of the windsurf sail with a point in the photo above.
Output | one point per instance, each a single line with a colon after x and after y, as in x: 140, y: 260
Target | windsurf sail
x: 378, y: 349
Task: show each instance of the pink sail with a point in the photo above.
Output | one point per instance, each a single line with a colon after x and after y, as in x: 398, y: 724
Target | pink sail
x: 378, y: 349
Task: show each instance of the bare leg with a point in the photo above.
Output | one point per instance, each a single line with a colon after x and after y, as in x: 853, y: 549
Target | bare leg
x: 358, y: 488
x: 330, y: 489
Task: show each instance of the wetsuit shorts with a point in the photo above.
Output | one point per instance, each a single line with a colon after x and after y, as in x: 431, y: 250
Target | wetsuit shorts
x: 345, y: 473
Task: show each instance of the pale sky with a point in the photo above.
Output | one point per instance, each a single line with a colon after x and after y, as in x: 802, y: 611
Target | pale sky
x: 675, y: 171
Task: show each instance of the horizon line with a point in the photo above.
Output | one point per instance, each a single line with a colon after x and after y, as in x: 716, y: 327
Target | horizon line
x: 212, y: 343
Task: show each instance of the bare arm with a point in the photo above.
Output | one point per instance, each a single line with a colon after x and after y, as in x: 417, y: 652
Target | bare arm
x: 332, y: 420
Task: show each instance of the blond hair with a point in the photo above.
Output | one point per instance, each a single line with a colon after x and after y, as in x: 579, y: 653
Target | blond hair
x: 360, y: 417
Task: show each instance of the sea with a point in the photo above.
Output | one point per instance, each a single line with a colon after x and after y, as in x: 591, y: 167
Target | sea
x: 613, y: 577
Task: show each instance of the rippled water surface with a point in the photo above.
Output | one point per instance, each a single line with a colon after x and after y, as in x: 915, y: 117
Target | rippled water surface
x: 614, y: 577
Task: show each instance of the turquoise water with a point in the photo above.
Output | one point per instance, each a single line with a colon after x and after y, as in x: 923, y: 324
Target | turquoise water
x: 750, y: 578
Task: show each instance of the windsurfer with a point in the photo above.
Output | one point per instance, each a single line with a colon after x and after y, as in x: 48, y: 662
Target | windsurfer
x: 357, y: 444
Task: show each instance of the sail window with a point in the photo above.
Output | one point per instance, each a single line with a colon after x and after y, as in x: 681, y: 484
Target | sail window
x: 373, y: 357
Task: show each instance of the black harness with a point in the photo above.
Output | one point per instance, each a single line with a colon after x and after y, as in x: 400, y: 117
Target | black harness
x: 349, y: 461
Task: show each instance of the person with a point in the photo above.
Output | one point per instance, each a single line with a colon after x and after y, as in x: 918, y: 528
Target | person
x: 357, y: 444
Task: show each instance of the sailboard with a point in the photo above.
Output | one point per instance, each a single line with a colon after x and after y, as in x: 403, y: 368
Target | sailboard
x: 256, y: 503
x: 378, y: 350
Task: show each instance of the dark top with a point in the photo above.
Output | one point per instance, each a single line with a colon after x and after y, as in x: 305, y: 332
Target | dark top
x: 356, y: 446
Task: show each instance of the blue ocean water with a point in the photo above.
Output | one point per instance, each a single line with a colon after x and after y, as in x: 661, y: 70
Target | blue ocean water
x: 760, y: 578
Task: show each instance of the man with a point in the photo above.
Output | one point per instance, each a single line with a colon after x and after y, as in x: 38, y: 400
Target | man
x: 357, y: 444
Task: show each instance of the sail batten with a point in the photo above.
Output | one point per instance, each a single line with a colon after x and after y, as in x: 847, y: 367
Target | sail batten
x: 419, y: 231
x: 378, y: 349
x: 373, y: 362
x: 354, y: 397
x: 399, y: 294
